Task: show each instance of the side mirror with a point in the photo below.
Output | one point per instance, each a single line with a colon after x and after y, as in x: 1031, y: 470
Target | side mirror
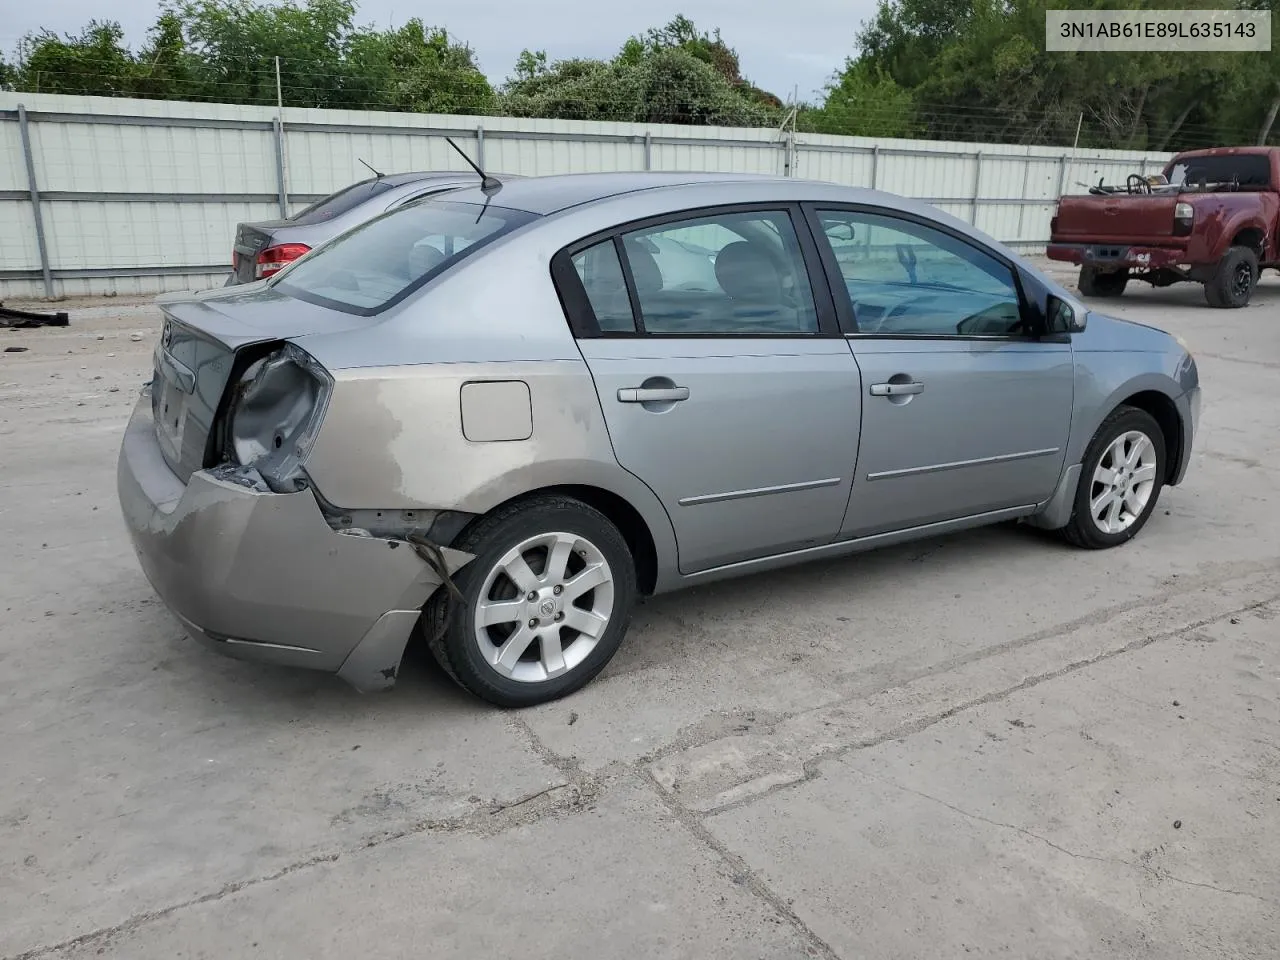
x: 1065, y: 318
x: 840, y: 231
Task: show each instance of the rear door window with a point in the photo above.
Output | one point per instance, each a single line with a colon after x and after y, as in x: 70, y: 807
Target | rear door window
x: 733, y: 274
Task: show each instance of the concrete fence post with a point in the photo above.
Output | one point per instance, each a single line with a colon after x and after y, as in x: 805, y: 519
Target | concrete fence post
x: 282, y: 190
x: 24, y: 130
x: 977, y: 186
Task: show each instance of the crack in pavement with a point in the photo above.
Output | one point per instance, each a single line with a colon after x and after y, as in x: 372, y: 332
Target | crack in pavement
x: 1219, y: 575
x: 1269, y: 364
x: 495, y: 817
x: 1115, y: 861
x: 580, y: 788
x: 742, y: 874
x: 812, y: 766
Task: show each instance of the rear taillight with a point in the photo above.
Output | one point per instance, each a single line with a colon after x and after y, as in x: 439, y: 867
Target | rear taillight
x: 1184, y: 218
x: 274, y: 259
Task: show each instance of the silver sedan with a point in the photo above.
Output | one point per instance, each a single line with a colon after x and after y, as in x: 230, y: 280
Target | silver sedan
x: 500, y: 415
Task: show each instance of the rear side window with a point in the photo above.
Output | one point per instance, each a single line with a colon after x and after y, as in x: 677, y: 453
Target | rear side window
x: 379, y: 263
x: 600, y: 271
x: 336, y: 204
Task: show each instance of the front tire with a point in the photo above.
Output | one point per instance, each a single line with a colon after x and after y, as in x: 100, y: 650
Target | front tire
x: 1233, y: 282
x: 547, y: 601
x: 1099, y: 283
x: 1121, y: 477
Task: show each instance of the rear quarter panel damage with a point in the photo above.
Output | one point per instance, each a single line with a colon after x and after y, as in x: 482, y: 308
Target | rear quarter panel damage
x: 393, y: 439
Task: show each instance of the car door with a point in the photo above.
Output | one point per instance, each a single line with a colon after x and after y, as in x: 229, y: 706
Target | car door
x: 724, y: 380
x: 966, y: 408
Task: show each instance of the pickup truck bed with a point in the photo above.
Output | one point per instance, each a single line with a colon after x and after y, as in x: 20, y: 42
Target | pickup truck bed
x: 1212, y: 217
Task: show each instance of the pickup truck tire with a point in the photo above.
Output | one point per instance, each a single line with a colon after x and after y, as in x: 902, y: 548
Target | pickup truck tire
x: 1232, y: 283
x: 1101, y: 283
x: 1121, y: 476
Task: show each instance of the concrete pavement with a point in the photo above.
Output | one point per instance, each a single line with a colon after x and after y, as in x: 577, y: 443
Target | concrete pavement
x: 975, y: 746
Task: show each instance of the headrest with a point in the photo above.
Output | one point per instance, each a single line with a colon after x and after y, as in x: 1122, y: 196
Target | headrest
x: 747, y: 271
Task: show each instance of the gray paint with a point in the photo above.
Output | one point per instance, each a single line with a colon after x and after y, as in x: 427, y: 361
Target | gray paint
x: 230, y: 561
x: 496, y: 411
x: 765, y: 463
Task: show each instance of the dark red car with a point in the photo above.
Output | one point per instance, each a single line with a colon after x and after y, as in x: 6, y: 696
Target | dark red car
x: 1211, y: 217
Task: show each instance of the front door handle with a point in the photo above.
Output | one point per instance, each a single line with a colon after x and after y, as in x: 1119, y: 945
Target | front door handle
x: 896, y: 389
x: 652, y: 394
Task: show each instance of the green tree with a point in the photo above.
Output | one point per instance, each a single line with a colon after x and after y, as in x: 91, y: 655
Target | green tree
x: 419, y: 69
x: 864, y: 101
x: 669, y: 85
x: 235, y: 43
x: 162, y: 67
x: 670, y: 74
x: 94, y: 63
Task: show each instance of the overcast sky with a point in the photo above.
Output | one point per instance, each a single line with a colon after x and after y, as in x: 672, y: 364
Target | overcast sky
x: 782, y: 45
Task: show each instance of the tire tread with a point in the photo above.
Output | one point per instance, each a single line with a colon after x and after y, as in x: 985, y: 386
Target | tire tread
x: 1075, y: 531
x: 438, y: 617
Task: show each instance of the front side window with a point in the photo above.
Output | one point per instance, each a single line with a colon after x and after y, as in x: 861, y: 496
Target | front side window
x: 907, y: 279
x: 381, y: 262
x: 732, y: 274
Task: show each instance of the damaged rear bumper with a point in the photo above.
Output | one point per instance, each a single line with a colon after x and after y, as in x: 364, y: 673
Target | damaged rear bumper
x: 1117, y: 256
x: 262, y: 576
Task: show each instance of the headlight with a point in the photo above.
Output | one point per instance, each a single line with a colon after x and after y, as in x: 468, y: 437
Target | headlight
x: 275, y: 414
x: 1183, y: 344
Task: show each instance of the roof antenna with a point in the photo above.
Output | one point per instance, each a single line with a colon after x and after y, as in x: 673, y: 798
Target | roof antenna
x: 375, y: 172
x: 488, y: 185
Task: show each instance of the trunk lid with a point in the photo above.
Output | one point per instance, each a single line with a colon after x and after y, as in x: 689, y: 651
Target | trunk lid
x: 1133, y: 218
x: 201, y: 348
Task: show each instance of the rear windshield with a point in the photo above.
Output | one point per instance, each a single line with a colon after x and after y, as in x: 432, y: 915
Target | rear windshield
x: 336, y: 204
x: 1250, y: 169
x: 379, y: 263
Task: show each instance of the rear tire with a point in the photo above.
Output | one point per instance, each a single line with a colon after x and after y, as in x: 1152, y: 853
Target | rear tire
x: 517, y: 645
x: 1234, y: 280
x: 1100, y: 283
x: 1121, y: 477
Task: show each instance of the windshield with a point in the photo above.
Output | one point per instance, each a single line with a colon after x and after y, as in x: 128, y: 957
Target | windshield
x: 336, y: 204
x: 1251, y: 169
x: 379, y: 263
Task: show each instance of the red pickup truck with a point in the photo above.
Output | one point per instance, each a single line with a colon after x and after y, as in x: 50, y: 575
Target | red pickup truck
x: 1211, y: 217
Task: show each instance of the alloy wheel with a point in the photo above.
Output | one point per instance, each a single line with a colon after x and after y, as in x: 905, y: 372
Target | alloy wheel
x: 544, y: 606
x: 1123, y: 482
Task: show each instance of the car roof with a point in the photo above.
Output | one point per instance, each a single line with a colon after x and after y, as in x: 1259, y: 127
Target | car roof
x: 551, y: 194
x: 400, y: 179
x: 1226, y: 152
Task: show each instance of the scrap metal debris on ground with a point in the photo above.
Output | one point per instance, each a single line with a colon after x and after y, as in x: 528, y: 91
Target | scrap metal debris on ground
x: 9, y: 317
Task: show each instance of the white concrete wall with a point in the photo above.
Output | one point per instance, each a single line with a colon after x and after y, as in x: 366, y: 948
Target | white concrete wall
x: 139, y: 196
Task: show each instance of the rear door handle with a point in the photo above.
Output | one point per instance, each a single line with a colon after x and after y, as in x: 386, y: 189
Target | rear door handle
x: 652, y: 394
x: 896, y: 389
